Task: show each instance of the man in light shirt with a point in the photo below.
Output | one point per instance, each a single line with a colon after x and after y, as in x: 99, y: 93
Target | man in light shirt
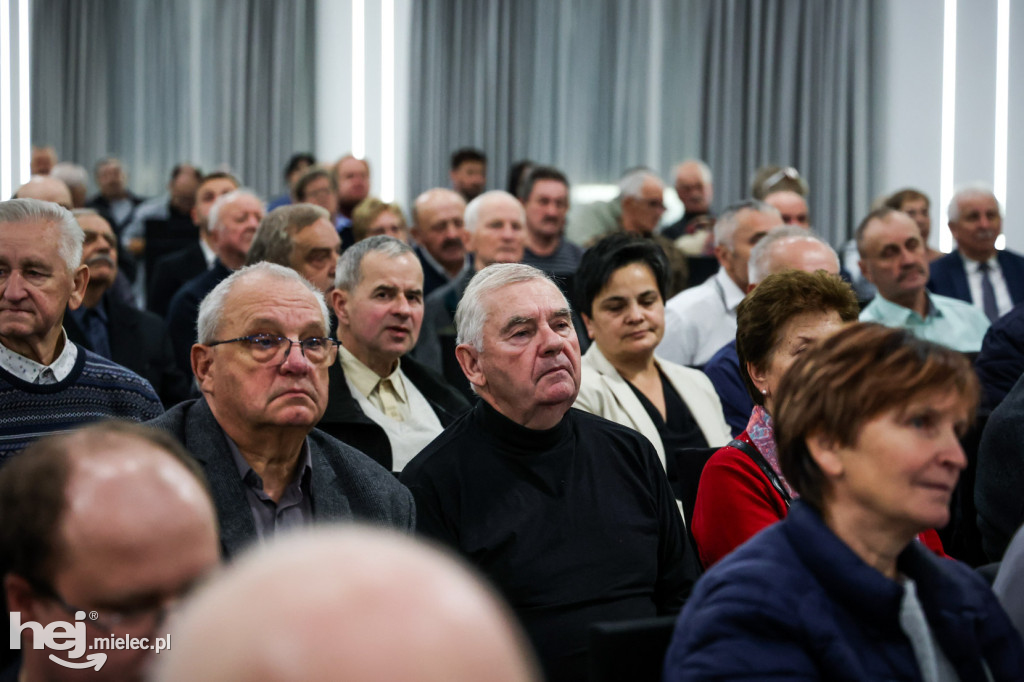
x: 893, y: 258
x: 381, y: 401
x: 702, y: 319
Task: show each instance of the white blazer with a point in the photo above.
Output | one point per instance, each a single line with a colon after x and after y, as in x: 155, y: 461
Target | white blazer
x: 605, y: 393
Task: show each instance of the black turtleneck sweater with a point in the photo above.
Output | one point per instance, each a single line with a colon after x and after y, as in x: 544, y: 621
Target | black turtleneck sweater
x: 574, y: 525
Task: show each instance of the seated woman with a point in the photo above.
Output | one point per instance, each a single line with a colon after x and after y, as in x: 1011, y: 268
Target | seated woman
x: 742, y: 489
x: 621, y: 283
x: 867, y: 425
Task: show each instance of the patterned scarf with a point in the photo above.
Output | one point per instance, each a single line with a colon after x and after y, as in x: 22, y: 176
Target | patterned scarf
x: 760, y: 430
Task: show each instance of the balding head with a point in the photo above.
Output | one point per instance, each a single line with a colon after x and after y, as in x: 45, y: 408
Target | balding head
x: 791, y: 248
x: 352, y: 605
x: 113, y: 518
x: 46, y: 188
x: 439, y: 227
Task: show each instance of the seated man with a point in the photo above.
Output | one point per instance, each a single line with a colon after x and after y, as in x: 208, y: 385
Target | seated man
x: 1000, y: 475
x: 702, y: 319
x: 976, y: 271
x: 381, y: 401
x: 356, y: 604
x: 1000, y: 362
x: 893, y: 258
x: 113, y: 518
x: 134, y: 338
x: 300, y: 237
x: 440, y: 234
x: 570, y: 515
x: 233, y: 219
x: 48, y: 384
x: 789, y: 247
x: 252, y: 431
x: 496, y: 229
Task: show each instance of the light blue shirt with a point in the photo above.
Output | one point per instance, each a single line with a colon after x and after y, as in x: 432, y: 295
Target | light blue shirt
x: 950, y: 322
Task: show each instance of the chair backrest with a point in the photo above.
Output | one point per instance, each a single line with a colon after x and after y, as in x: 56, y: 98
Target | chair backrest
x: 631, y: 650
x: 684, y: 467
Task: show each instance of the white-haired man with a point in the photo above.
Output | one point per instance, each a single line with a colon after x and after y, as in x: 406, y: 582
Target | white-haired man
x: 531, y: 491
x: 49, y: 384
x: 702, y: 319
x: 790, y: 247
x: 381, y: 401
x: 253, y: 431
x: 696, y: 190
x: 977, y: 272
x: 234, y: 218
x: 495, y: 224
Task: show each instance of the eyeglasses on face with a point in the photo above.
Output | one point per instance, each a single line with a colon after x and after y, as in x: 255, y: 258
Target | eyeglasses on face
x: 271, y: 348
x: 136, y: 619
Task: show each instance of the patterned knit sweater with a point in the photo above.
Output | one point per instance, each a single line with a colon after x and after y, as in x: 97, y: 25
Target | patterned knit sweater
x: 96, y: 389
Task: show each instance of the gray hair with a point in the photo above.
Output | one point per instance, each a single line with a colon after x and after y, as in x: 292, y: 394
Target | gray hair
x: 275, y: 237
x: 760, y: 264
x: 211, y: 310
x: 471, y: 218
x: 471, y: 314
x: 705, y: 170
x: 971, y: 191
x: 72, y: 237
x: 71, y: 174
x: 632, y: 183
x: 349, y: 272
x: 728, y: 221
x: 213, y: 221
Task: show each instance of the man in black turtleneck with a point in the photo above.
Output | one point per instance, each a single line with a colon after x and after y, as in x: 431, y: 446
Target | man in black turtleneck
x: 569, y: 515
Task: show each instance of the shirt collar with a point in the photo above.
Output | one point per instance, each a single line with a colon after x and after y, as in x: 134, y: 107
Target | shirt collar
x: 732, y: 295
x: 36, y: 373
x: 365, y: 379
x: 898, y: 315
x: 440, y: 268
x: 99, y: 309
x: 208, y: 253
x: 245, y: 470
x: 971, y: 266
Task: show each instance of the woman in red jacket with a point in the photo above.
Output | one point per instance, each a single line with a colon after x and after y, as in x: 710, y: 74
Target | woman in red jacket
x: 742, y: 488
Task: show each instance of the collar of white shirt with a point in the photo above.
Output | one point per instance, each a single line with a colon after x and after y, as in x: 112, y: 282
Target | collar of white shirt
x: 36, y: 373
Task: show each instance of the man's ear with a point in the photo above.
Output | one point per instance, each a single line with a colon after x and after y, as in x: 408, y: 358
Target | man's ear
x: 722, y: 254
x: 21, y: 597
x: 339, y: 297
x: 864, y: 270
x: 202, y: 364
x: 79, y: 281
x: 469, y: 361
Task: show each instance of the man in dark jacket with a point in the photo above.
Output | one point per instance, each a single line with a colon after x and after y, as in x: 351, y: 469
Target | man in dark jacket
x: 381, y: 401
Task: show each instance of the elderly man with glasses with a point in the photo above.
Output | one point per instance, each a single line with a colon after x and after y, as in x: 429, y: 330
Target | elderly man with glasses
x: 252, y: 431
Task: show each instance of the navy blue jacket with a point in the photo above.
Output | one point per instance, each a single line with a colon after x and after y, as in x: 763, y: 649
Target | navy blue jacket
x: 1001, y: 361
x: 950, y: 279
x: 796, y: 603
x: 724, y: 371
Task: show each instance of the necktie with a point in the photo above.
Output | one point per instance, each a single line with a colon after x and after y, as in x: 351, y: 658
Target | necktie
x: 988, y: 294
x: 389, y: 399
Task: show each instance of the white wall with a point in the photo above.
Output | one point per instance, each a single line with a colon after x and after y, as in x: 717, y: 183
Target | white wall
x: 381, y: 111
x: 910, y: 104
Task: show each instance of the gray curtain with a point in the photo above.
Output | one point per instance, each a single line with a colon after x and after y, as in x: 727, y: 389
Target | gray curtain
x: 156, y: 82
x: 597, y: 86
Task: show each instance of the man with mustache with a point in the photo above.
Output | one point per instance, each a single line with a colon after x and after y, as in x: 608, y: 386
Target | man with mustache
x: 381, y: 401
x: 440, y: 233
x: 977, y: 272
x: 569, y: 515
x: 545, y: 197
x: 104, y: 324
x: 893, y: 258
x: 261, y: 358
x: 495, y: 225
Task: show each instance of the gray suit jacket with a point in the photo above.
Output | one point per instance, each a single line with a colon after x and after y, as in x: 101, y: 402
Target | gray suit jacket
x: 346, y: 484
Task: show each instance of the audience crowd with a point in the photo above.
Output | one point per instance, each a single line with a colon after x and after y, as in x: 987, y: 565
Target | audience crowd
x: 510, y: 424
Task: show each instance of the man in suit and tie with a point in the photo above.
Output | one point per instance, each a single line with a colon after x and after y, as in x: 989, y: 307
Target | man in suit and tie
x: 108, y: 326
x: 174, y: 269
x: 253, y: 431
x: 976, y: 271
